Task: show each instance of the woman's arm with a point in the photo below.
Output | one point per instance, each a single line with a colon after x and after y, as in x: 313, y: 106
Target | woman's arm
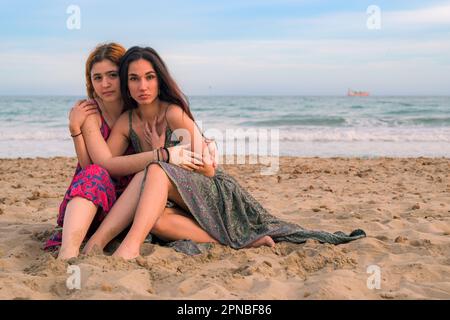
x: 80, y: 148
x: 78, y: 114
x: 179, y: 121
x: 109, y: 155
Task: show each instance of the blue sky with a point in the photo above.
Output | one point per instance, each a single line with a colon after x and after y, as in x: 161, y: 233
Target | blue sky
x: 248, y: 47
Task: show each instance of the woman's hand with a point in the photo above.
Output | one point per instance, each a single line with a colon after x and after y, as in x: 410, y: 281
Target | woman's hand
x: 151, y: 135
x: 79, y: 112
x: 181, y: 155
x: 211, y: 153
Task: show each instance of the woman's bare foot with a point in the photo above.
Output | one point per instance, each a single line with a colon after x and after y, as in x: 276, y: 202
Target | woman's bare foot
x: 92, y: 246
x: 264, y: 241
x: 65, y: 254
x: 127, y: 253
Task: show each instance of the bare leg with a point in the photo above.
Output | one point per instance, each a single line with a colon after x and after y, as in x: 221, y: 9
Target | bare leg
x: 177, y: 225
x: 151, y: 206
x: 157, y: 189
x: 119, y: 217
x: 174, y: 224
x: 78, y: 217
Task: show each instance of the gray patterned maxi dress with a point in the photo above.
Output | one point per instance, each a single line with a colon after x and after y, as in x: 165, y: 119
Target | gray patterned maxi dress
x: 228, y: 212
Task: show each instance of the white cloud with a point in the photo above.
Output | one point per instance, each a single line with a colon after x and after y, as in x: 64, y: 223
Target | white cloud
x: 259, y: 67
x: 310, y: 52
x: 307, y: 65
x: 436, y: 15
x: 41, y: 73
x: 312, y: 66
x: 354, y: 24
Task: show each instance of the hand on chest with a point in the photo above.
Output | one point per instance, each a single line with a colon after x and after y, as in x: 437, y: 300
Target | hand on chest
x: 152, y: 135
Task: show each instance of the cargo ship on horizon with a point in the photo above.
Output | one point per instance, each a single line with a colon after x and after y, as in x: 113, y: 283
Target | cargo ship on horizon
x: 351, y: 93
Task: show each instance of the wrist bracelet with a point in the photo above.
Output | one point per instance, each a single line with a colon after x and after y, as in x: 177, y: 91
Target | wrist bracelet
x: 75, y: 135
x: 164, y: 155
x: 168, y: 155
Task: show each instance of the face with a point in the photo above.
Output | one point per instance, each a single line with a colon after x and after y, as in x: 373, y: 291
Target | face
x: 142, y: 82
x: 105, y: 79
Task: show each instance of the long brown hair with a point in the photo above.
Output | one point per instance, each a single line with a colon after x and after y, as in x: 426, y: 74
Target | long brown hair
x: 168, y: 88
x: 108, y: 51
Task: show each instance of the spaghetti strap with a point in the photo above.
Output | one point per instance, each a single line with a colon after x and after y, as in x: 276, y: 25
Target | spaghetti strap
x: 169, y: 133
x: 132, y: 135
x: 102, y: 118
x: 130, y: 120
x: 165, y: 116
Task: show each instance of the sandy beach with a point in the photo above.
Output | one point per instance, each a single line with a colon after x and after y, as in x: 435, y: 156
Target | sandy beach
x: 402, y: 204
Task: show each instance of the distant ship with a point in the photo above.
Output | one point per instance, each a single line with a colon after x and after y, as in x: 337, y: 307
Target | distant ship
x: 352, y: 93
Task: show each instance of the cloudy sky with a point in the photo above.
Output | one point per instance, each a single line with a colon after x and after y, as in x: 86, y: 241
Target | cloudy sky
x: 235, y: 47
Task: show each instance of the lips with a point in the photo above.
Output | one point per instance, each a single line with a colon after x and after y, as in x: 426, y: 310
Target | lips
x: 107, y: 93
x: 144, y: 96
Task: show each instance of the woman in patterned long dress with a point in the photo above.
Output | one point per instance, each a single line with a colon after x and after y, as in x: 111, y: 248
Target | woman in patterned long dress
x: 227, y: 212
x: 92, y: 191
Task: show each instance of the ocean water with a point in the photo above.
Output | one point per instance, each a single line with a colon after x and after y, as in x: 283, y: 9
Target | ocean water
x: 36, y: 126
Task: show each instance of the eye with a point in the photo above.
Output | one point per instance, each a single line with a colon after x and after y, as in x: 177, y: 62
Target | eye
x: 113, y: 75
x: 97, y: 78
x: 132, y: 78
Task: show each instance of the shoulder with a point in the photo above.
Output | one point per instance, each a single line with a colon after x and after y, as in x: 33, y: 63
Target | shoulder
x: 122, y: 123
x: 174, y: 113
x: 173, y: 110
x: 124, y: 118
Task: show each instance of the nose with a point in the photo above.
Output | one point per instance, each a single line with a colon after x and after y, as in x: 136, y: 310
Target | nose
x: 105, y: 82
x: 142, y: 84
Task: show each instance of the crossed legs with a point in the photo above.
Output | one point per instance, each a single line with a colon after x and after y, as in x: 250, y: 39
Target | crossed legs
x: 172, y: 224
x: 157, y: 189
x: 148, y: 213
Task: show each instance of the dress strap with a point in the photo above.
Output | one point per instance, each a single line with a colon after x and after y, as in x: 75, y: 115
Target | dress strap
x: 132, y: 135
x: 165, y: 115
x: 169, y: 142
x: 102, y: 118
x: 130, y: 120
